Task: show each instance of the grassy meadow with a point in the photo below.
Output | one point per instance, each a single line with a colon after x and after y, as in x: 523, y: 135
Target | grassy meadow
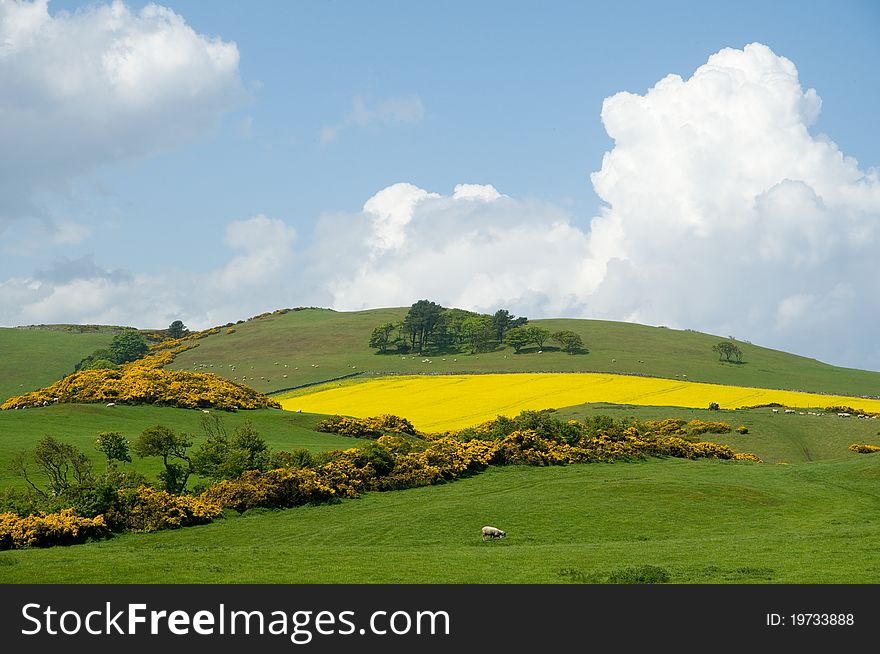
x: 314, y: 345
x: 32, y: 358
x: 808, y: 514
x: 699, y: 521
x: 79, y: 424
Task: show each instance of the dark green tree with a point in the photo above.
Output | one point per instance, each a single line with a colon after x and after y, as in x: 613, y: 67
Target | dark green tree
x: 222, y: 457
x: 114, y: 446
x: 727, y: 350
x: 518, y: 338
x: 128, y: 346
x: 177, y: 329
x: 420, y: 323
x: 383, y: 337
x: 502, y: 321
x: 569, y: 341
x: 478, y: 333
x: 162, y: 441
x: 538, y: 335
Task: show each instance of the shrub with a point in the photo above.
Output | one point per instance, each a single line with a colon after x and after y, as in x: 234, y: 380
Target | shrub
x: 47, y: 529
x: 864, y: 448
x: 742, y: 429
x: 145, y: 509
x: 145, y: 381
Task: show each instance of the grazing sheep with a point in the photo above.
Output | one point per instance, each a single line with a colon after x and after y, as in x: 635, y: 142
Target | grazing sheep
x: 492, y: 532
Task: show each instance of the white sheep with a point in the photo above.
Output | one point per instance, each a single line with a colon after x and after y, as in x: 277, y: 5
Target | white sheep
x: 492, y: 532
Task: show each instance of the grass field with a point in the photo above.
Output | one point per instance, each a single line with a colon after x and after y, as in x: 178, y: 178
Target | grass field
x: 446, y: 402
x: 813, y: 520
x: 700, y: 521
x: 319, y: 344
x: 775, y: 437
x: 33, y: 358
x: 79, y: 424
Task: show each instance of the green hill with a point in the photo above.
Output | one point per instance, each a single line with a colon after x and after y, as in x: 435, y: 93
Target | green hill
x: 280, y: 351
x: 33, y: 357
x: 697, y: 521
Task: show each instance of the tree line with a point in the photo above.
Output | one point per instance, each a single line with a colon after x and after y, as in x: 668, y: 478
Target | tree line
x: 429, y: 327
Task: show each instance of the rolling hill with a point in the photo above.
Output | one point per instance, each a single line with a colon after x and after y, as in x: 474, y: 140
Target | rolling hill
x: 287, y: 350
x: 32, y: 357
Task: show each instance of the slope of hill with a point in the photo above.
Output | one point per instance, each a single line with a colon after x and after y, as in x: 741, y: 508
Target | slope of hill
x: 34, y: 357
x: 282, y: 351
x: 700, y: 521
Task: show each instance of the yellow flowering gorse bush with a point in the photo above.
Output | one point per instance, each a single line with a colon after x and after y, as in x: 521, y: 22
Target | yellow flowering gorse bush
x: 47, y: 529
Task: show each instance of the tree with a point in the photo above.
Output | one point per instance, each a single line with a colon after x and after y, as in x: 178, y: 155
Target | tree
x: 222, y: 457
x: 177, y: 329
x: 114, y: 446
x: 727, y: 350
x: 502, y: 321
x: 518, y: 338
x: 478, y: 333
x: 65, y: 467
x: 128, y: 346
x: 160, y: 440
x: 420, y: 323
x: 569, y: 341
x: 381, y: 337
x: 538, y: 335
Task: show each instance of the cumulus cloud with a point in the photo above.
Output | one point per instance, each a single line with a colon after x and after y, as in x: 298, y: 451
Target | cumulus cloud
x: 104, y: 84
x: 732, y: 217
x: 722, y: 212
x: 403, y: 109
x: 472, y: 249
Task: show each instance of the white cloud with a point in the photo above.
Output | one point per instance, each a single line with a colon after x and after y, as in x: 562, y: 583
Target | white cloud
x: 404, y: 109
x: 722, y: 212
x: 266, y: 246
x: 104, y: 84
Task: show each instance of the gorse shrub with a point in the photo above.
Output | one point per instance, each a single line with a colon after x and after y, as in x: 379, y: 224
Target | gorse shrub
x: 145, y: 381
x: 47, y: 529
x: 864, y: 448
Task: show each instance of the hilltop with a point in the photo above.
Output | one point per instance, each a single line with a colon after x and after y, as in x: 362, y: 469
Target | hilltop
x: 289, y: 349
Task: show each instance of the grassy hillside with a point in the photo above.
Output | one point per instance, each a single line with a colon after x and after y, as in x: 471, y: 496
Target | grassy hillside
x: 315, y: 345
x: 35, y: 357
x: 79, y: 424
x: 775, y: 437
x: 700, y: 521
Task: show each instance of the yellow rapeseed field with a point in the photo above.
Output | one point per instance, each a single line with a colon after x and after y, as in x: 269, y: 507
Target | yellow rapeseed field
x: 445, y: 402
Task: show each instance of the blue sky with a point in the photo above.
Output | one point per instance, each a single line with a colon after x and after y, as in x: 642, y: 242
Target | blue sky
x: 215, y: 183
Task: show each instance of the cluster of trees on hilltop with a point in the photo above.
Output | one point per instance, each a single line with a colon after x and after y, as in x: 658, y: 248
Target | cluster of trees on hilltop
x: 430, y: 328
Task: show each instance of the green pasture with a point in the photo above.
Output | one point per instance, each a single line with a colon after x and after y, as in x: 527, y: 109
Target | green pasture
x: 314, y: 345
x: 775, y: 437
x: 696, y: 521
x: 80, y: 424
x: 33, y: 358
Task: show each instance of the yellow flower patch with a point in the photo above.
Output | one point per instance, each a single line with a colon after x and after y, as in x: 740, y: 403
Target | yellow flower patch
x: 448, y: 402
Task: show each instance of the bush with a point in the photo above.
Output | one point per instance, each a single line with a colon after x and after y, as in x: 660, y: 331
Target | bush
x: 47, y: 529
x: 742, y: 429
x: 864, y: 448
x: 145, y: 509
